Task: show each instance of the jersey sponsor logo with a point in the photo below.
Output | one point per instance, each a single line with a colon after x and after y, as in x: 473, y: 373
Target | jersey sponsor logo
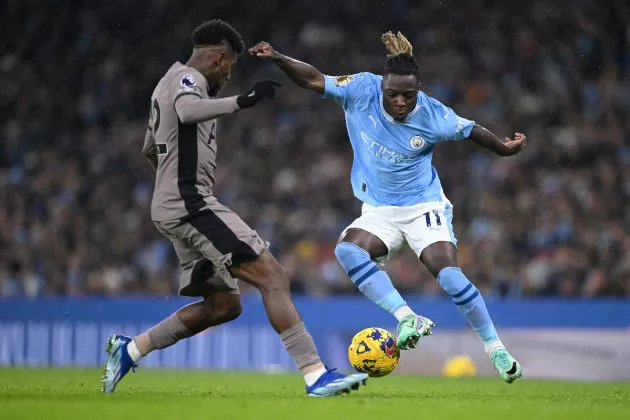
x: 417, y: 142
x: 383, y: 152
x: 343, y: 80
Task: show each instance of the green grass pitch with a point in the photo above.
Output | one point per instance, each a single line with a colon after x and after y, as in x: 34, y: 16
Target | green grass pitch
x: 177, y: 395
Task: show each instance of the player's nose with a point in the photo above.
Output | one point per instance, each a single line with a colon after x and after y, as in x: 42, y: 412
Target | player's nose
x: 399, y: 102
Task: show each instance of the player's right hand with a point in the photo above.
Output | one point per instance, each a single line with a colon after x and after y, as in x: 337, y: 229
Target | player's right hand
x: 262, y: 50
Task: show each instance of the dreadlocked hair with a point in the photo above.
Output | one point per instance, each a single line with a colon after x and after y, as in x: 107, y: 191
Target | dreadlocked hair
x: 400, y: 59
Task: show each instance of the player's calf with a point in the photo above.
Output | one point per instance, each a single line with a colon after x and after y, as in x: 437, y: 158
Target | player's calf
x: 124, y: 352
x: 215, y: 309
x: 470, y: 304
x: 272, y: 280
x: 377, y: 286
x: 369, y: 278
x: 440, y: 258
x: 320, y: 381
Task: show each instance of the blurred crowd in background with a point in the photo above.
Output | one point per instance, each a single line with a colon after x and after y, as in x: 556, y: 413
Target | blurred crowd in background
x: 74, y: 104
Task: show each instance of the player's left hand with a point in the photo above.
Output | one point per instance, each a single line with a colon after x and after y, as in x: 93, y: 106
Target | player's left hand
x: 260, y: 89
x: 515, y: 145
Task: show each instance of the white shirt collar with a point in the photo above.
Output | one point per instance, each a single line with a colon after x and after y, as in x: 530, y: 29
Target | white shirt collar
x: 389, y: 117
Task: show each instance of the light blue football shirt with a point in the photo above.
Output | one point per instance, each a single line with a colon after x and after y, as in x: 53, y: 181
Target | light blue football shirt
x: 392, y: 160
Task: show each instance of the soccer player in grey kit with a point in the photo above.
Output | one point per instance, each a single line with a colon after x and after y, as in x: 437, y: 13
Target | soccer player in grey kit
x: 214, y: 246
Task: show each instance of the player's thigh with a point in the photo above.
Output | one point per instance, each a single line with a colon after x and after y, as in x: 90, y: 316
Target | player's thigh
x: 438, y: 256
x: 430, y: 234
x: 374, y: 232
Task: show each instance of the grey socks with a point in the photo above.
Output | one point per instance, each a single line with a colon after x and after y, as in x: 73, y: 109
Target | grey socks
x: 168, y: 332
x: 300, y: 346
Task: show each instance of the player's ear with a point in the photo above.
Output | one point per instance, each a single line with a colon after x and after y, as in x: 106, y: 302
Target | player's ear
x: 220, y: 56
x: 217, y: 59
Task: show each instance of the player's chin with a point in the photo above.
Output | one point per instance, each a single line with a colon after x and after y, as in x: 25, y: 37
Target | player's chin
x: 401, y: 115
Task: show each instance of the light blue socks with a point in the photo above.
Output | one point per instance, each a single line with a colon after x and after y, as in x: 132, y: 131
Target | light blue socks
x: 370, y: 279
x: 377, y: 286
x: 470, y: 304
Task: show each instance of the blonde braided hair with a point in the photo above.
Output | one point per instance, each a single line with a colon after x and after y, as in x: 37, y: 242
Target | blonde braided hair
x: 400, y: 59
x: 396, y: 44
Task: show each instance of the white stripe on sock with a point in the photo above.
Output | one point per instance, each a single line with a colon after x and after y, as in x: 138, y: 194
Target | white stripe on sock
x: 493, y: 345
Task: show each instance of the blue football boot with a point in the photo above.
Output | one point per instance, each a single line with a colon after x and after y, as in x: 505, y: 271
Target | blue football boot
x: 118, y: 362
x: 333, y: 383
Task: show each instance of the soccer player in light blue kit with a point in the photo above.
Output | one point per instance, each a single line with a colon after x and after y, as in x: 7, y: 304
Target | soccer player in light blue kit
x: 393, y: 128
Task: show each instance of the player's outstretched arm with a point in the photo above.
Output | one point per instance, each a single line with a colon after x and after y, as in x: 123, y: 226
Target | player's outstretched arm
x: 302, y: 74
x: 508, y: 147
x: 193, y: 109
x: 149, y: 150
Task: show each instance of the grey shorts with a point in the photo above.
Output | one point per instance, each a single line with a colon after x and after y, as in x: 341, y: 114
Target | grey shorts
x: 207, y: 243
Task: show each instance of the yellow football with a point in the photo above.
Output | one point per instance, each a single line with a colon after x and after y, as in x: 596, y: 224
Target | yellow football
x: 374, y: 351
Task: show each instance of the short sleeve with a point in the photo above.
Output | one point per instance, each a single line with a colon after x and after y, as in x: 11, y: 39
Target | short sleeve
x: 187, y: 83
x: 449, y: 125
x: 343, y: 89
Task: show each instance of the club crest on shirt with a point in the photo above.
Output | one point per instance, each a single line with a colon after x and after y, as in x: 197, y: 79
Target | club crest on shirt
x: 343, y: 80
x: 417, y: 142
x: 188, y: 82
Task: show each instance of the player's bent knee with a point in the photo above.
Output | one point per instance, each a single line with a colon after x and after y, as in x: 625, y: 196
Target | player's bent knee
x: 351, y: 256
x: 225, y: 313
x: 273, y: 278
x: 348, y: 250
x: 220, y: 308
x: 341, y: 251
x: 265, y: 273
x: 230, y: 313
x: 438, y: 263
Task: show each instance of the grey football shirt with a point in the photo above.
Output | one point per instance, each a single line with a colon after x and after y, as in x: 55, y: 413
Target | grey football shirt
x: 186, y: 151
